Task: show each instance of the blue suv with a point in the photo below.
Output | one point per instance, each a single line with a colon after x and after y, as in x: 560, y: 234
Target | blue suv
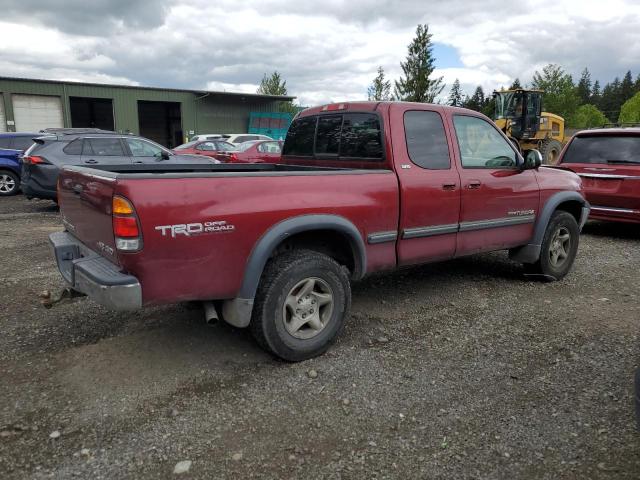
x: 12, y: 145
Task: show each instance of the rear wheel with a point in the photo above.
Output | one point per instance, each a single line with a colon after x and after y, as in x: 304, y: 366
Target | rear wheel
x: 9, y: 183
x: 550, y: 150
x: 559, y: 247
x: 301, y: 305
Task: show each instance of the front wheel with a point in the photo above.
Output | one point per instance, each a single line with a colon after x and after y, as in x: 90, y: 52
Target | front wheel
x: 9, y: 183
x: 301, y: 305
x: 559, y: 247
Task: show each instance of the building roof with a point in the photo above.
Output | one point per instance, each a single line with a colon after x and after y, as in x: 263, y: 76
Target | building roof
x: 138, y: 87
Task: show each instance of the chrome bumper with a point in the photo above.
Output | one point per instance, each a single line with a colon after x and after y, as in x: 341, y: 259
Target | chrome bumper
x: 89, y: 273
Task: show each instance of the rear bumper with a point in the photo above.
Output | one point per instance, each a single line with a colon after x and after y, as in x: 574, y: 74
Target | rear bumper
x: 89, y: 273
x: 40, y: 181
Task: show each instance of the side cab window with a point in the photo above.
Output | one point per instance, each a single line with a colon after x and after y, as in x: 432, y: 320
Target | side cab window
x: 481, y: 144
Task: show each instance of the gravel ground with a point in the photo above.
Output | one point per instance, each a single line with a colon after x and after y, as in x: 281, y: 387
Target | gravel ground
x: 462, y: 369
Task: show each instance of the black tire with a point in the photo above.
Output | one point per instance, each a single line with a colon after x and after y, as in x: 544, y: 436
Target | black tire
x: 9, y: 183
x: 560, y: 224
x: 550, y: 150
x: 269, y: 322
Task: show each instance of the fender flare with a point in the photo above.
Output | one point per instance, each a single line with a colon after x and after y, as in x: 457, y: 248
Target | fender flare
x: 531, y: 252
x: 237, y: 311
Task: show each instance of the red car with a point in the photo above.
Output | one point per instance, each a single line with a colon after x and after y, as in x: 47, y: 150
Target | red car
x: 608, y: 160
x: 210, y: 148
x: 361, y: 187
x: 256, y: 151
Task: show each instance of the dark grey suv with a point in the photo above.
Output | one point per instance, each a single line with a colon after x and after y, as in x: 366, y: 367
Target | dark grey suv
x: 58, y: 147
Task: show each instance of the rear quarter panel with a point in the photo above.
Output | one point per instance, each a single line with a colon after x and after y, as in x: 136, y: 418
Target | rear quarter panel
x: 211, y: 265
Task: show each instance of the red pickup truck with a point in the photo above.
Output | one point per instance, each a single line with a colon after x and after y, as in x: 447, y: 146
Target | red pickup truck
x: 361, y: 187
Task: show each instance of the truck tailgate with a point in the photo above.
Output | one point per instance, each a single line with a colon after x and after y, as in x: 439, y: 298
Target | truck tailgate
x: 85, y: 204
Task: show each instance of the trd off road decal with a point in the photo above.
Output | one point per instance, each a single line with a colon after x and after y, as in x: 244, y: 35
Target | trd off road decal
x: 191, y: 229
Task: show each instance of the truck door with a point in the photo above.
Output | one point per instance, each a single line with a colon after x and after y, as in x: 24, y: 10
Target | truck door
x: 429, y: 186
x: 499, y: 201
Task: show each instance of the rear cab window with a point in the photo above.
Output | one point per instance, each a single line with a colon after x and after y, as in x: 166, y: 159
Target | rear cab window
x: 347, y: 136
x: 604, y: 149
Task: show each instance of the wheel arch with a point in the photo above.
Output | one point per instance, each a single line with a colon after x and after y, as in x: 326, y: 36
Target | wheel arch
x: 329, y: 234
x: 571, y: 202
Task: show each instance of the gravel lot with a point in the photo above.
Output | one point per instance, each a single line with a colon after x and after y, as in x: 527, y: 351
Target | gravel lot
x: 456, y: 370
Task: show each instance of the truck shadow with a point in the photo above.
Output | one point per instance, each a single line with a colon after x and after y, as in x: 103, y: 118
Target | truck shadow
x: 627, y: 231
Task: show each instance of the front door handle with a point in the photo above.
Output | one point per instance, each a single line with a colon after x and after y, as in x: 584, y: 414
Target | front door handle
x: 91, y: 161
x: 473, y: 184
x: 448, y: 186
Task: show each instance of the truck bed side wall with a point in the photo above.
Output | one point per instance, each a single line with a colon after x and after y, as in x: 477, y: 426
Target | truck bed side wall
x: 210, y: 265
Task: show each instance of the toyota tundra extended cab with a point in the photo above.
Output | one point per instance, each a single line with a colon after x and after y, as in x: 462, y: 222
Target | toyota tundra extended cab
x: 361, y: 187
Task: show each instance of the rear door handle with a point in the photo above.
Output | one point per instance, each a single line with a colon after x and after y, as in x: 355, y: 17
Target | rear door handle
x: 474, y: 184
x: 448, y: 186
x: 91, y: 161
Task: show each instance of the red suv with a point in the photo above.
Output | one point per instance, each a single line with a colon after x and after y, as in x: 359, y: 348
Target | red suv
x: 608, y: 160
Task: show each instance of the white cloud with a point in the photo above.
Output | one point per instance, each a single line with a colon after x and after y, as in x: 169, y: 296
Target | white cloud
x: 326, y: 52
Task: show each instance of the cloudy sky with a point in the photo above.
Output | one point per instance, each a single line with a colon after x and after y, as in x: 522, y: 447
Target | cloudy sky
x: 327, y: 51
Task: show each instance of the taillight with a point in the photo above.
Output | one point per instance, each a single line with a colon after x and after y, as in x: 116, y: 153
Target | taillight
x: 126, y: 228
x: 34, y: 160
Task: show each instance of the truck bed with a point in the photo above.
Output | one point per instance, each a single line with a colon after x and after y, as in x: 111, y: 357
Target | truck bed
x: 248, y: 199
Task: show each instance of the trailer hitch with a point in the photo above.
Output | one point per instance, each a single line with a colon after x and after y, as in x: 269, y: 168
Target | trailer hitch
x: 67, y: 295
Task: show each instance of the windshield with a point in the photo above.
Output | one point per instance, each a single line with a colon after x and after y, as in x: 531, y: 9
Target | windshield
x: 225, y: 146
x: 508, y: 104
x: 603, y: 149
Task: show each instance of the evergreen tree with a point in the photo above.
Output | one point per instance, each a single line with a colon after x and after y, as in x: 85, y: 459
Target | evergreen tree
x: 636, y: 85
x: 455, y: 96
x: 584, y: 87
x: 626, y: 88
x: 380, y: 89
x: 560, y: 95
x: 476, y: 101
x: 611, y: 99
x: 515, y: 85
x: 489, y: 108
x: 595, y: 94
x: 418, y: 84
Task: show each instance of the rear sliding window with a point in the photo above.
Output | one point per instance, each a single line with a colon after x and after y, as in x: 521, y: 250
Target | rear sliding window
x: 603, y: 149
x: 349, y: 136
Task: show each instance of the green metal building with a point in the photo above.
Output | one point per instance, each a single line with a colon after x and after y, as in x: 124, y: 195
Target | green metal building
x: 167, y: 116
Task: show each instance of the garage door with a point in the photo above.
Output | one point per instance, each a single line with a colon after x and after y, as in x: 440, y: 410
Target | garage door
x: 35, y: 112
x: 3, y: 120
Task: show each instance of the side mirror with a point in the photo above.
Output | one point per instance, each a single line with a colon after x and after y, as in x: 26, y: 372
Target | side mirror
x: 164, y: 155
x: 532, y: 159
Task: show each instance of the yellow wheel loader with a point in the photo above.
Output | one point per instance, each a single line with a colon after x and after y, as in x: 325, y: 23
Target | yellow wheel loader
x: 519, y: 115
